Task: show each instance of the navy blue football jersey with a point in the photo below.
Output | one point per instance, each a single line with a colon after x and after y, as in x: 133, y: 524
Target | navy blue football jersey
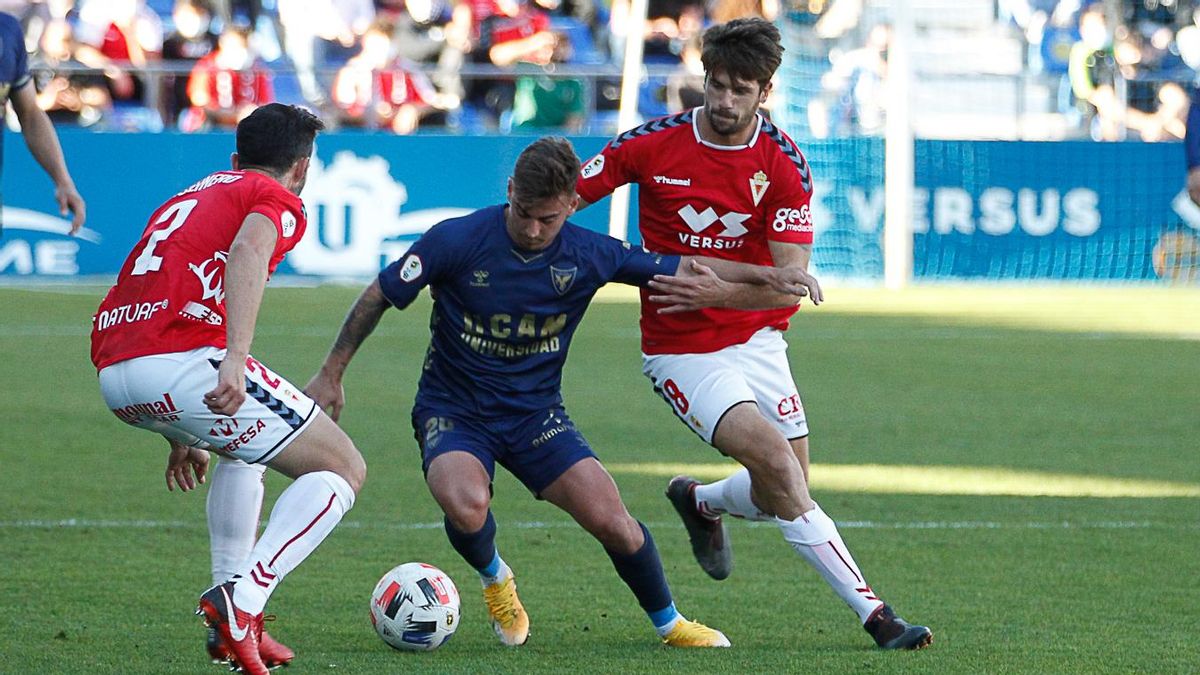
x: 503, y: 317
x: 14, y: 63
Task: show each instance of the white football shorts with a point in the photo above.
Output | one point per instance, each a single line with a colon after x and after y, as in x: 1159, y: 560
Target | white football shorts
x: 701, y: 388
x: 164, y: 393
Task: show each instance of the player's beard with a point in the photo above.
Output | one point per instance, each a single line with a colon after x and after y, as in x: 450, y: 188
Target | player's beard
x: 728, y: 126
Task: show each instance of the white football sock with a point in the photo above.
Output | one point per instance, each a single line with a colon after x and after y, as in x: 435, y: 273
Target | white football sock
x: 305, y: 513
x: 730, y: 495
x: 815, y: 537
x: 235, y: 495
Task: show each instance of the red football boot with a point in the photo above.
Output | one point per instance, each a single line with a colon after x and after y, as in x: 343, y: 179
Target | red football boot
x: 272, y: 652
x: 237, y: 629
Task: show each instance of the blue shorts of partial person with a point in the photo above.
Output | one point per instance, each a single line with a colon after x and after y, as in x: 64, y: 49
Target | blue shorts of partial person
x: 537, y: 448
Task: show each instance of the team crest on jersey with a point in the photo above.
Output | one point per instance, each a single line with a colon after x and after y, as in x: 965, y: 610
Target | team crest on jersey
x: 411, y: 268
x: 563, y: 278
x: 287, y: 223
x: 758, y: 186
x: 593, y: 168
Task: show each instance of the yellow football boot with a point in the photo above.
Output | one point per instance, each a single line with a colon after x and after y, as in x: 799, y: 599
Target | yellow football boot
x: 509, y: 619
x: 693, y: 634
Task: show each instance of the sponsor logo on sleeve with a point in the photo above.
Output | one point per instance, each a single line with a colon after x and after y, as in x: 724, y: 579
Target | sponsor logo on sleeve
x: 793, y: 220
x: 411, y: 269
x: 287, y: 223
x: 593, y: 168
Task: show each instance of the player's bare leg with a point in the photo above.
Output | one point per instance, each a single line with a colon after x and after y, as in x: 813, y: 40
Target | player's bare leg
x: 461, y: 486
x: 328, y: 472
x: 774, y: 483
x: 587, y: 492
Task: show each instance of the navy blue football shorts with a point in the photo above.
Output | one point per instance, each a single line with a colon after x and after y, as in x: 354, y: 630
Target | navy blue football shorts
x: 536, y: 448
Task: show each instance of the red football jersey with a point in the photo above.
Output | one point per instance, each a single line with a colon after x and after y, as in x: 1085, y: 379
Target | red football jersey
x: 169, y: 296
x: 695, y: 198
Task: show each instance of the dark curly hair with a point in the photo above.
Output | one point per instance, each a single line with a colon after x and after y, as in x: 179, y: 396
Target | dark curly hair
x: 746, y: 49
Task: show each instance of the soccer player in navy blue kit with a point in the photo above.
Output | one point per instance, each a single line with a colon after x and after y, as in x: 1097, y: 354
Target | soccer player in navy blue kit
x: 16, y: 86
x: 511, y: 283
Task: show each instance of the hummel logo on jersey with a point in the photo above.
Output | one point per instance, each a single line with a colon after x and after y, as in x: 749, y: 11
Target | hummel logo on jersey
x: 666, y: 180
x: 699, y: 222
x: 480, y: 278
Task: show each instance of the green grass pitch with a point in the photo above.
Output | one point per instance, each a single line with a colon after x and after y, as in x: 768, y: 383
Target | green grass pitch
x: 1017, y: 467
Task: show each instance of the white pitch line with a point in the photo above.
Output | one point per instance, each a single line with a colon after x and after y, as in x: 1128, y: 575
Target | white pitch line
x: 84, y: 523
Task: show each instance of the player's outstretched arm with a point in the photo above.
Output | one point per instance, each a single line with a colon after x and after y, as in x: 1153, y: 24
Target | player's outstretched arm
x: 43, y: 145
x: 326, y: 386
x: 709, y: 282
x: 245, y: 279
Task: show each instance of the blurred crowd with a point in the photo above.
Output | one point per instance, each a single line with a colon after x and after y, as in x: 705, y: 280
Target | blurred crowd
x: 1117, y: 70
x: 1120, y: 69
x: 401, y: 65
x: 1125, y: 73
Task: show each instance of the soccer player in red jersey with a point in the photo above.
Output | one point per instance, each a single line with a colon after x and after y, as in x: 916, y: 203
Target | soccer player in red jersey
x: 723, y: 181
x: 171, y: 342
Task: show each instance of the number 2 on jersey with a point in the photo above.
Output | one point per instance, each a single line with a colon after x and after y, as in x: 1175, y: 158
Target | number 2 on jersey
x: 177, y: 213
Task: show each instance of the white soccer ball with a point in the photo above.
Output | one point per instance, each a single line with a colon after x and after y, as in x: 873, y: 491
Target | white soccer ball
x: 415, y: 607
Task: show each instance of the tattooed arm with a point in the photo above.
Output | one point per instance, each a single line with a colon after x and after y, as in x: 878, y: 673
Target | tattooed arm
x: 326, y: 386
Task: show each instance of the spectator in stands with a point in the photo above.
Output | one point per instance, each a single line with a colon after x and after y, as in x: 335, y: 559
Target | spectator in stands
x: 545, y: 101
x: 119, y: 37
x: 67, y: 97
x: 312, y: 28
x: 853, y: 99
x: 518, y: 33
x: 192, y: 40
x: 685, y: 87
x: 1191, y: 145
x: 228, y: 84
x: 1048, y: 28
x: 1094, y: 68
x: 420, y: 26
x: 378, y: 89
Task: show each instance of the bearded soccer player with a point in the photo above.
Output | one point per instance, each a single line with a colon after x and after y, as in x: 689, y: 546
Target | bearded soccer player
x: 171, y: 342
x: 721, y: 180
x: 511, y: 283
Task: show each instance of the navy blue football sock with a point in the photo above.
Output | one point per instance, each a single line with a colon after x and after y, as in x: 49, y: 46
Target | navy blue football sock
x: 642, y: 571
x: 477, y: 548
